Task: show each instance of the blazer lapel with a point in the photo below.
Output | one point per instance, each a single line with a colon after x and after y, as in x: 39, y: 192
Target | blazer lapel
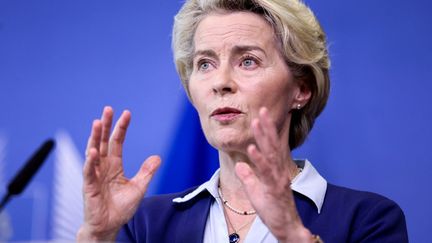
x: 193, y: 219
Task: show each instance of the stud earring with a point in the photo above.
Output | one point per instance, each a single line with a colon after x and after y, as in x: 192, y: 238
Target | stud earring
x: 298, y: 106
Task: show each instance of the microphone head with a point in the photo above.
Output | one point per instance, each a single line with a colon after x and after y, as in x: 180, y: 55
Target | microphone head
x: 23, y: 177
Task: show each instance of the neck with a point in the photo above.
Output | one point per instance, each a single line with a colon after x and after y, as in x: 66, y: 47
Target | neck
x: 231, y: 185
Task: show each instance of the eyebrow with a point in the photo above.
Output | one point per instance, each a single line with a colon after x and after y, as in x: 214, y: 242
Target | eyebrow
x: 242, y: 49
x: 236, y: 50
x: 209, y: 53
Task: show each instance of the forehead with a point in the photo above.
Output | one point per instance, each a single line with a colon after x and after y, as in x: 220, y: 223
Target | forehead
x: 219, y: 30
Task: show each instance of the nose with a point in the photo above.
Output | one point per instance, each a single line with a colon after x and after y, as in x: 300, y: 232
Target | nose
x: 224, y: 82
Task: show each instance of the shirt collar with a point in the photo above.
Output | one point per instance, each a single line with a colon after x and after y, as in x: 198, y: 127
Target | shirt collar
x: 308, y: 183
x: 311, y: 184
x: 211, y: 186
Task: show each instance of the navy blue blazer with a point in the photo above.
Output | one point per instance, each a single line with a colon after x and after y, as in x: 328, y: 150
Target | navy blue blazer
x: 346, y: 216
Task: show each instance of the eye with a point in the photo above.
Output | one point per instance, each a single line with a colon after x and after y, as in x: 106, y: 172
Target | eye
x: 249, y: 62
x: 204, y: 65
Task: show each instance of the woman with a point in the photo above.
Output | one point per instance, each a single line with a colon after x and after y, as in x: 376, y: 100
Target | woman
x: 257, y: 73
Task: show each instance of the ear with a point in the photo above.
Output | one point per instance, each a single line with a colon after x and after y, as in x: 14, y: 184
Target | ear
x: 301, y: 96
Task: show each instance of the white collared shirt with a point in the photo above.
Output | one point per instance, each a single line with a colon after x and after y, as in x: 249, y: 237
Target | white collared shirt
x: 308, y: 183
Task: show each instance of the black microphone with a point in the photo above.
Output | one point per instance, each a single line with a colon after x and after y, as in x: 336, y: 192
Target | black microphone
x: 23, y: 177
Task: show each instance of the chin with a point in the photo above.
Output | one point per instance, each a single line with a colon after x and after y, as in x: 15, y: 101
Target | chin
x: 234, y: 137
x: 230, y: 143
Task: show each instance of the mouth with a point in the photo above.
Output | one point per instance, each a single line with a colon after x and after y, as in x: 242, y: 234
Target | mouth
x: 225, y: 114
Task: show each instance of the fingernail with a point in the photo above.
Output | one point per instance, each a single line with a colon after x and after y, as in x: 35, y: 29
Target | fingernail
x: 255, y: 122
x: 242, y: 169
x: 250, y: 148
x: 126, y: 112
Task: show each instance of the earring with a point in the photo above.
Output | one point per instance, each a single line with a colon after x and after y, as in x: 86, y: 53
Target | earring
x: 298, y: 106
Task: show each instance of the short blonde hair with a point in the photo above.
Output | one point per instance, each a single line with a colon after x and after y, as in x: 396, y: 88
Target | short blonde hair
x: 302, y: 41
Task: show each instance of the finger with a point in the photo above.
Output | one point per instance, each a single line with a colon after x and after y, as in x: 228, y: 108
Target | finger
x: 270, y: 131
x: 89, y: 170
x: 258, y: 133
x: 268, y: 126
x: 119, y: 134
x: 107, y: 116
x: 265, y: 132
x: 261, y: 167
x: 248, y: 178
x: 146, y: 172
x: 263, y: 142
x: 95, y: 136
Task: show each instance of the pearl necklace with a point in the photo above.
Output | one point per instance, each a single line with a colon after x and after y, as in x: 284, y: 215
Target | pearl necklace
x: 235, y: 237
x: 225, y: 202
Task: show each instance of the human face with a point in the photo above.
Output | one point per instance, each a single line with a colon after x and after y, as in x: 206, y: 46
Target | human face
x: 237, y: 69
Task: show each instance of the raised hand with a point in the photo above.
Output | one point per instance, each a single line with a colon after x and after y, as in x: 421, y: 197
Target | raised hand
x: 268, y: 182
x: 110, y: 199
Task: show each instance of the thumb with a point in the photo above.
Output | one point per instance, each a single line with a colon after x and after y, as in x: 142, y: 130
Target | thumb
x: 146, y: 172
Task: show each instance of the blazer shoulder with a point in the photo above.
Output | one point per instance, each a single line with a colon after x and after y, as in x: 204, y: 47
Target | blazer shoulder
x: 375, y: 218
x: 347, y: 196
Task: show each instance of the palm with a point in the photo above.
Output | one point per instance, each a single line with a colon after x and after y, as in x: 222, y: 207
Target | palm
x: 269, y: 183
x: 110, y: 199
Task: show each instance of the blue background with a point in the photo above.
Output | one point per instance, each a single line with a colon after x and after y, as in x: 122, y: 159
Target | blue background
x: 62, y: 61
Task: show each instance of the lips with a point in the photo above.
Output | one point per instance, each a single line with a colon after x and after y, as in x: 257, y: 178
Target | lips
x: 224, y: 111
x: 225, y: 114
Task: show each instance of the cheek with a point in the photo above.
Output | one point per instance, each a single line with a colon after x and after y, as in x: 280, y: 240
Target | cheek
x: 192, y: 91
x: 199, y: 103
x: 271, y: 97
x: 278, y: 99
x: 195, y: 96
x: 198, y: 90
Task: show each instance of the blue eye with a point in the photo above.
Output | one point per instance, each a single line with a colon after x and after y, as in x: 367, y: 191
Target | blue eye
x: 204, y: 66
x: 248, y: 62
